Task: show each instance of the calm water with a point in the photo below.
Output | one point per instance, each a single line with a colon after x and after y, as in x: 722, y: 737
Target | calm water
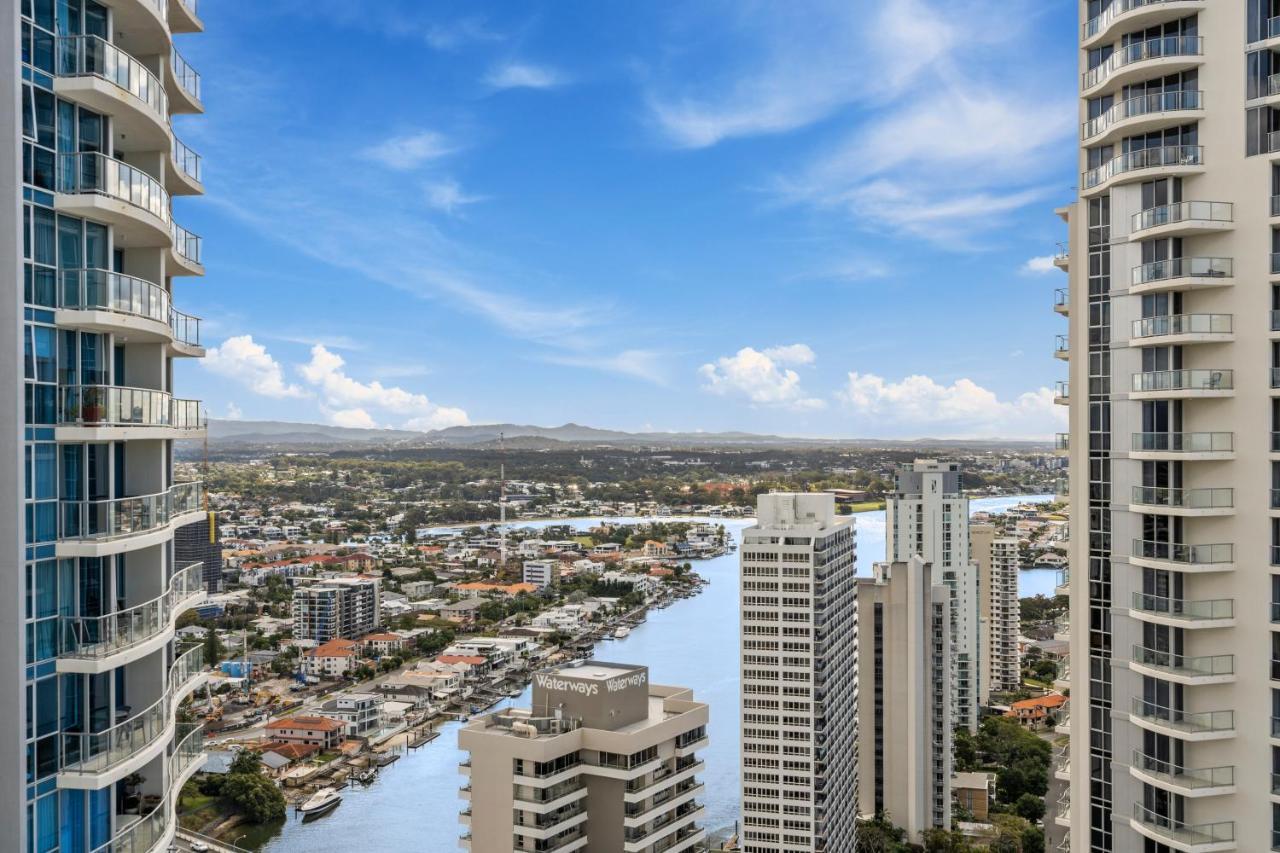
x: 694, y: 643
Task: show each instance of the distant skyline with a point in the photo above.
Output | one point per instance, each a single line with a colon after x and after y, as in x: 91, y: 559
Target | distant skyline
x: 829, y: 220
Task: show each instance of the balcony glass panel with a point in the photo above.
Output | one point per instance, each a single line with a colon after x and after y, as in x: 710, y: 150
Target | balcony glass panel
x: 1184, y: 498
x: 1145, y: 158
x: 187, y: 161
x: 186, y: 76
x: 91, y: 56
x: 95, y: 637
x: 1194, y: 211
x: 1207, y: 777
x: 1177, y: 552
x: 1201, y: 666
x: 1191, y: 835
x: 1156, y: 48
x: 1103, y: 20
x: 128, y: 516
x: 186, y: 244
x: 101, y: 290
x: 1221, y: 608
x: 1183, y: 268
x: 1191, y: 722
x: 1183, y: 442
x: 1160, y: 102
x: 1183, y: 324
x: 99, y: 174
x: 1184, y: 380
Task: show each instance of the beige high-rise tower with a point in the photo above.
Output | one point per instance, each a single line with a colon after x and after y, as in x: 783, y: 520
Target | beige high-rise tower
x: 1173, y: 345
x: 997, y: 560
x: 603, y: 761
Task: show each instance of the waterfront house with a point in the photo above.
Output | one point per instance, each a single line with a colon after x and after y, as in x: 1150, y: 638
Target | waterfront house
x: 307, y: 729
x: 360, y: 713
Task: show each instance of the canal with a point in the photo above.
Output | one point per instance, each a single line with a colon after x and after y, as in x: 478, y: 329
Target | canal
x: 414, y: 804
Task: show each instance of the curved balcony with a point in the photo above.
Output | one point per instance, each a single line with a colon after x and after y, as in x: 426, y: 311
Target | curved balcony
x: 1181, y: 613
x: 1061, y: 443
x: 1183, y: 502
x: 93, y: 761
x: 1185, y: 725
x: 186, y: 253
x: 111, y: 191
x: 1062, y: 301
x: 1182, y: 274
x: 1132, y: 14
x: 184, y: 93
x: 1061, y: 348
x: 1183, y: 446
x: 146, y: 834
x: 110, y: 410
x: 125, y: 522
x: 1141, y: 164
x: 1189, y: 838
x: 184, y: 16
x: 1176, y: 384
x: 1183, y: 669
x: 1182, y: 329
x: 1180, y: 557
x: 1142, y: 114
x: 186, y: 334
x: 188, y: 749
x: 187, y: 672
x: 100, y: 75
x: 1183, y: 218
x: 1062, y: 393
x: 95, y: 644
x: 141, y: 26
x: 186, y: 177
x: 1201, y: 782
x: 107, y: 301
x: 1164, y: 55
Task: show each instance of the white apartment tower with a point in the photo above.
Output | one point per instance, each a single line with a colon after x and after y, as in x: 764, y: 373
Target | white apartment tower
x: 1174, y: 277
x: 603, y: 760
x: 91, y: 746
x: 341, y: 608
x: 799, y: 677
x: 929, y: 516
x: 1000, y: 613
x: 904, y: 684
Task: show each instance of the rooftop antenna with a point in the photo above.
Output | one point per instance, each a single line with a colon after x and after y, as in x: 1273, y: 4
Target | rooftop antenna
x: 502, y: 499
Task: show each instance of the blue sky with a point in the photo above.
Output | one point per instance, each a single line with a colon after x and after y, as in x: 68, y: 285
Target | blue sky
x: 819, y: 218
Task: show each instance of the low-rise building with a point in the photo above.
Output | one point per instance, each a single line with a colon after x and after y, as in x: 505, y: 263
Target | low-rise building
x: 462, y: 612
x: 541, y: 574
x: 359, y: 713
x: 377, y: 645
x: 974, y: 792
x: 334, y: 659
x: 307, y: 729
x: 339, y: 608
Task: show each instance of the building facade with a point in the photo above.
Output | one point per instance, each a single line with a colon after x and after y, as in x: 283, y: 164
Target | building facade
x: 1000, y: 614
x: 603, y: 760
x: 343, y: 608
x: 904, y: 713
x: 928, y: 515
x: 799, y: 677
x: 198, y: 543
x: 92, y: 588
x: 1173, y: 352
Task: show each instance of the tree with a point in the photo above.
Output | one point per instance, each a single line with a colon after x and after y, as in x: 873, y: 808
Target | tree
x: 1032, y: 840
x: 246, y: 761
x: 213, y: 650
x: 1029, y: 806
x: 255, y: 796
x: 966, y: 750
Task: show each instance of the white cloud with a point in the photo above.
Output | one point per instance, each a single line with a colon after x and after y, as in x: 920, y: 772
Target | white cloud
x: 410, y: 151
x: 919, y: 406
x: 1039, y: 266
x: 233, y: 412
x: 762, y: 377
x: 447, y: 196
x: 520, y: 75
x: 242, y: 359
x: 348, y: 399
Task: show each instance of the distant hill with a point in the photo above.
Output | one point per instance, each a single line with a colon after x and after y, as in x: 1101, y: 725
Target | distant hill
x: 284, y: 434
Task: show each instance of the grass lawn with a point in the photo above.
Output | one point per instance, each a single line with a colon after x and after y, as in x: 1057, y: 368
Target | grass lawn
x: 862, y: 506
x: 197, y: 811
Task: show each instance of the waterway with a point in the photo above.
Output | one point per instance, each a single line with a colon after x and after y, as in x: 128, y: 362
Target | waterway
x: 693, y: 643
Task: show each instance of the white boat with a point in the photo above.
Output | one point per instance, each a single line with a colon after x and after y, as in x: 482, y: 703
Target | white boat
x: 621, y: 633
x: 321, y: 802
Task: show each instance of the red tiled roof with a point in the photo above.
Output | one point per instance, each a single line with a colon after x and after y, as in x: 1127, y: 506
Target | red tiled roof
x: 319, y: 724
x: 471, y: 659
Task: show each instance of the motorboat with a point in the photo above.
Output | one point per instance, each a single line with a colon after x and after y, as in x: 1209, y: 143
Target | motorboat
x: 321, y: 802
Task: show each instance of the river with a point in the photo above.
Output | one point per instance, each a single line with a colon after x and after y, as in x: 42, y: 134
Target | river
x: 693, y: 643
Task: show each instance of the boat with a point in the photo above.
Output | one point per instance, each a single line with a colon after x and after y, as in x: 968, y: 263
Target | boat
x: 321, y: 802
x: 367, y: 775
x: 621, y: 633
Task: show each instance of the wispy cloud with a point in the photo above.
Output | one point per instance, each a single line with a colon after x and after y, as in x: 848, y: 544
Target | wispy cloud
x: 1038, y: 266
x: 409, y: 151
x: 447, y: 196
x: 762, y: 377
x: 522, y: 75
x: 247, y: 362
x: 647, y: 365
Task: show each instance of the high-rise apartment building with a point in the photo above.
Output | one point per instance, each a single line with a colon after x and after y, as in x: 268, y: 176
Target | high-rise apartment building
x: 799, y: 677
x: 603, y: 760
x: 337, y: 609
x: 904, y: 683
x: 928, y: 516
x: 999, y: 611
x: 92, y: 750
x: 198, y: 543
x: 1174, y: 347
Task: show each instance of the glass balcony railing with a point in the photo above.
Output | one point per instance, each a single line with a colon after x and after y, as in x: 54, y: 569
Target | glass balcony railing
x: 1156, y: 48
x: 1183, y: 380
x: 98, y: 752
x: 187, y: 161
x: 189, y: 665
x: 1183, y: 442
x: 98, y: 174
x: 185, y: 328
x: 1178, y: 552
x: 1189, y: 835
x: 1184, y: 498
x: 111, y: 405
x: 1183, y: 324
x: 1178, y: 608
x: 1060, y: 298
x: 102, y: 290
x: 186, y: 244
x: 1062, y: 390
x: 189, y: 743
x: 1203, y: 666
x: 143, y: 835
x: 1185, y: 211
x: 1060, y: 346
x: 91, y: 56
x: 109, y: 519
x: 1184, y: 777
x: 1183, y: 268
x: 1189, y: 722
x: 97, y: 637
x: 1062, y: 441
x: 1100, y: 22
x: 185, y: 76
x: 1144, y: 158
x: 1160, y: 102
